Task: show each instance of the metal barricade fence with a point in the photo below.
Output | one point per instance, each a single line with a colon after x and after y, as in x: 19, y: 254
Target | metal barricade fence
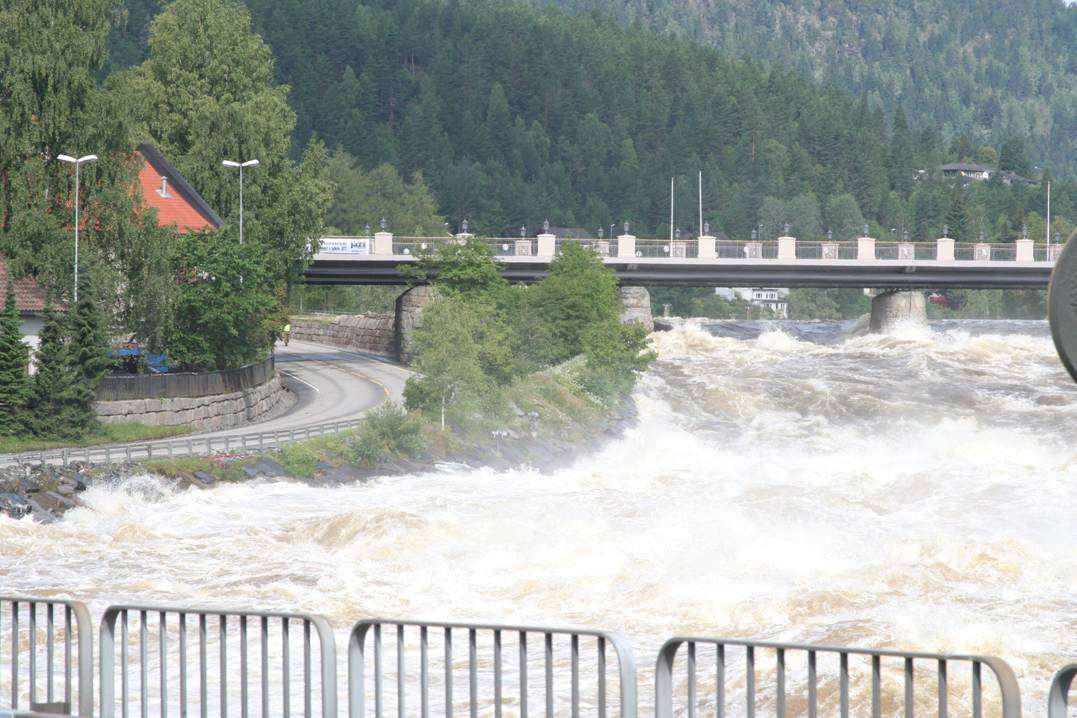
x: 28, y: 645
x: 504, y: 665
x: 160, y: 628
x: 1058, y: 697
x: 804, y: 689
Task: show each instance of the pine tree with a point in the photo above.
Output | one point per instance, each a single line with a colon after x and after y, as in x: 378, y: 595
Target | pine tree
x: 14, y: 358
x: 87, y: 354
x: 52, y: 390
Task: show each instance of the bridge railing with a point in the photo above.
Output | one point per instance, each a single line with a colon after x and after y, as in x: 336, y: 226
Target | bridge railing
x: 487, y: 669
x: 50, y: 634
x: 201, y: 660
x: 1058, y: 696
x: 763, y: 674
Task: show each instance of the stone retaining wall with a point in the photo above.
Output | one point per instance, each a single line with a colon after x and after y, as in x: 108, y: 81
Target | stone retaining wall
x: 204, y: 413
x: 364, y: 332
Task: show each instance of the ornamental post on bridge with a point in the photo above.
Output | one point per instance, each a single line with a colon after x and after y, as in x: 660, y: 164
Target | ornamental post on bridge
x: 626, y: 244
x: 382, y: 239
x: 787, y: 245
x: 547, y: 242
x: 865, y: 245
x: 708, y: 244
x: 1024, y: 248
x: 944, y: 247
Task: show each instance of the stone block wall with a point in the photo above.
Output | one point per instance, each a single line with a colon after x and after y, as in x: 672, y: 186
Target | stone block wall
x: 204, y: 413
x: 364, y: 332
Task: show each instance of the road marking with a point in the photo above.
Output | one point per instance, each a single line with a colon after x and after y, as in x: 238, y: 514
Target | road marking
x: 304, y: 381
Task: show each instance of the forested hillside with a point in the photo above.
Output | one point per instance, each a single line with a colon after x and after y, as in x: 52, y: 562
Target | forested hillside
x: 979, y: 67
x: 513, y: 114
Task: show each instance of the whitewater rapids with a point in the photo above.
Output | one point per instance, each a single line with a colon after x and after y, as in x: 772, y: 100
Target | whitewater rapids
x: 785, y: 482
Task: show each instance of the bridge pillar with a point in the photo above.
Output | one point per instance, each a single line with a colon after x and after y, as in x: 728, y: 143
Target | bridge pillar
x: 787, y: 247
x: 1025, y: 250
x: 409, y: 312
x: 865, y: 248
x: 383, y: 243
x: 891, y: 308
x: 547, y: 244
x: 626, y: 245
x: 944, y: 249
x: 636, y: 306
x: 707, y: 247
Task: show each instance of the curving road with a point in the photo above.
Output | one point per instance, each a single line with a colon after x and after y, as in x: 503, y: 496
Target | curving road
x: 334, y: 388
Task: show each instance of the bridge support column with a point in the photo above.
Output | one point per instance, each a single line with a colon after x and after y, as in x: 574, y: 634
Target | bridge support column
x: 636, y: 306
x: 409, y: 312
x: 707, y: 247
x: 626, y: 245
x: 891, y: 308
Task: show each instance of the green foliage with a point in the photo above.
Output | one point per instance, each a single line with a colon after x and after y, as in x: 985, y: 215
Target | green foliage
x: 579, y: 293
x: 299, y: 460
x: 491, y: 107
x: 228, y: 309
x: 479, y: 336
x: 466, y: 268
x: 387, y: 431
x: 361, y: 199
x: 86, y: 352
x: 14, y: 359
x: 616, y: 353
x: 206, y: 92
x: 51, y: 391
x: 827, y: 303
x: 982, y: 69
x: 460, y: 347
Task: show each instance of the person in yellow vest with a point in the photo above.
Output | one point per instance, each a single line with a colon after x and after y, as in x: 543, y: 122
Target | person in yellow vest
x: 287, y: 333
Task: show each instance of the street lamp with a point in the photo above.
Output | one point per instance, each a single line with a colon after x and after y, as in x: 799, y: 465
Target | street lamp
x: 241, y: 166
x: 78, y: 163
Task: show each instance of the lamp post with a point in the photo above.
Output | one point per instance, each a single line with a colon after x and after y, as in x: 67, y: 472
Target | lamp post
x: 78, y: 164
x: 241, y: 166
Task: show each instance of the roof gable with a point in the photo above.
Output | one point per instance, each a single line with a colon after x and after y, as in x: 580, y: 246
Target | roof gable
x: 29, y: 295
x: 179, y: 204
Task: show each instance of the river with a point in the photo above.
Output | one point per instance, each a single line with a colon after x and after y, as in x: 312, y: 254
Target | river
x: 785, y: 481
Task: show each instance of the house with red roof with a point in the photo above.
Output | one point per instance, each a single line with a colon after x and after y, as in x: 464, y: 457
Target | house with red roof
x: 161, y: 187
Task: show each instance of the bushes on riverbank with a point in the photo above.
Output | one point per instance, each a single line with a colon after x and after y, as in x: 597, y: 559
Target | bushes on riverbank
x: 481, y: 336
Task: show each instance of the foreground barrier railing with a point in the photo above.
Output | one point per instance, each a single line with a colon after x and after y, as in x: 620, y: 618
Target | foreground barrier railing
x: 886, y: 695
x: 178, y: 669
x: 1058, y: 697
x: 505, y: 665
x: 32, y: 632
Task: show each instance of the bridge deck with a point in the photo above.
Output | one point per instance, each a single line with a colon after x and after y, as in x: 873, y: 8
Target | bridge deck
x: 354, y: 269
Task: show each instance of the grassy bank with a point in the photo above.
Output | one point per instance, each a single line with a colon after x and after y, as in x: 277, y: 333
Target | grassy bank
x: 121, y: 433
x: 548, y: 406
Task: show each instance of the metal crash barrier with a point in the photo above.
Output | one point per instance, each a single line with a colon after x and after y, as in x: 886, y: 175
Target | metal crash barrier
x: 50, y: 634
x: 183, y: 660
x: 193, y: 661
x: 510, y: 666
x: 782, y: 687
x: 1058, y: 697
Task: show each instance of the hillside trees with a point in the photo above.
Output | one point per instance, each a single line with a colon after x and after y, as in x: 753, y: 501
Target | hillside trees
x: 205, y: 93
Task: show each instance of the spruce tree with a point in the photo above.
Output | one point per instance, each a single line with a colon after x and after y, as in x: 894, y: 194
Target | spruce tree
x: 52, y: 390
x: 14, y: 359
x: 87, y: 354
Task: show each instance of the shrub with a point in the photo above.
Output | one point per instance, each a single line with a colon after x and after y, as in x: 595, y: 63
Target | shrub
x: 387, y: 431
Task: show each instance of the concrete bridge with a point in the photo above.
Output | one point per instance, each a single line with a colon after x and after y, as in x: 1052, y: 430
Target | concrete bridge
x: 707, y: 261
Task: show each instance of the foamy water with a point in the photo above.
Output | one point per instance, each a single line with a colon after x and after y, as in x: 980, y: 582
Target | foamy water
x: 910, y: 491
